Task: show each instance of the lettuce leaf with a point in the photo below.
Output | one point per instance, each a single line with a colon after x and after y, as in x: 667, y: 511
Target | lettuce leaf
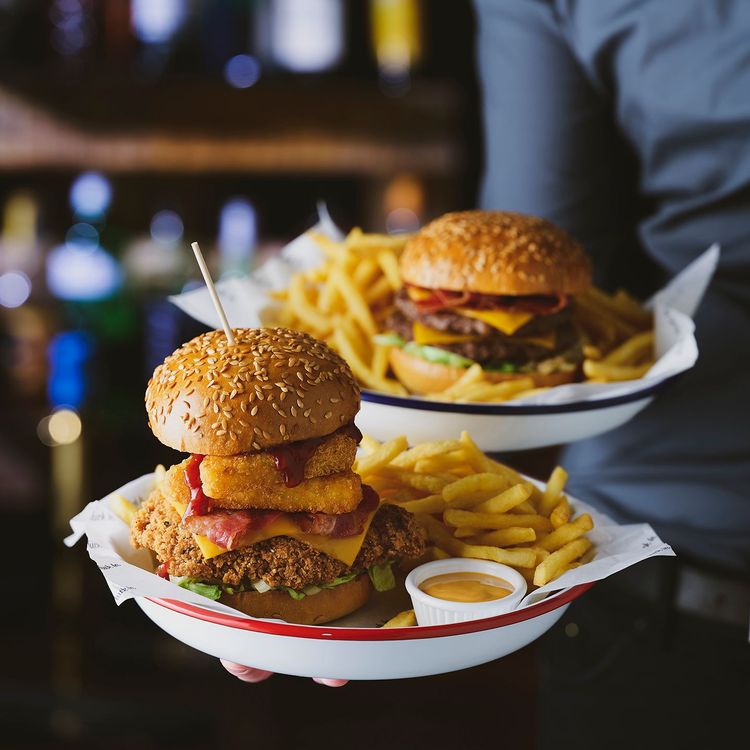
x: 209, y: 590
x: 437, y: 355
x: 341, y: 579
x: 293, y: 592
x: 382, y: 577
x: 423, y: 351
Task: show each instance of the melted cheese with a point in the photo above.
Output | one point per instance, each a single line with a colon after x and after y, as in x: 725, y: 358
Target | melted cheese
x: 547, y: 341
x: 345, y: 549
x: 507, y: 322
x: 425, y: 335
x: 418, y: 294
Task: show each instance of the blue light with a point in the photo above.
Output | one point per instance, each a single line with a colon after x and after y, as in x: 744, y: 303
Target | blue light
x: 90, y: 195
x: 83, y: 236
x: 78, y: 274
x: 242, y: 71
x: 68, y: 354
x: 238, y: 230
x: 15, y: 288
x: 156, y: 21
x: 166, y: 227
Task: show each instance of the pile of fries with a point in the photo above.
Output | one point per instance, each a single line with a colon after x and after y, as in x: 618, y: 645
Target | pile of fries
x: 347, y: 300
x: 473, y: 506
x: 621, y: 336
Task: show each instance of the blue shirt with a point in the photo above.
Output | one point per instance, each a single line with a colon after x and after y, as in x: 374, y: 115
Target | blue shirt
x: 628, y: 123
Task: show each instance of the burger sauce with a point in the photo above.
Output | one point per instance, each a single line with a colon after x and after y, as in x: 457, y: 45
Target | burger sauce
x: 466, y: 587
x: 291, y: 459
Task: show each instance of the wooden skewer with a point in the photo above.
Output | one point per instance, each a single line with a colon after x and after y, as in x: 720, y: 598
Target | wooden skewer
x: 212, y: 291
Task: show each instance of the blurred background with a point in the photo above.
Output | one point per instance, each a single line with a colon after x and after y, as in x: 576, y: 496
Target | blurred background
x: 129, y: 128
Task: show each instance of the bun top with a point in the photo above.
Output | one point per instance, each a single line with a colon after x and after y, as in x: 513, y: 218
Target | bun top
x: 495, y: 252
x: 274, y: 386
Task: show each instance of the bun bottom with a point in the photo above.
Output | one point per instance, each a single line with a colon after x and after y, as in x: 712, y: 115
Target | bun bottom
x: 326, y: 605
x: 422, y: 377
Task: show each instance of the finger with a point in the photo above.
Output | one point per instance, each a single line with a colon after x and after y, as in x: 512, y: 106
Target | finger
x: 246, y: 674
x: 328, y: 682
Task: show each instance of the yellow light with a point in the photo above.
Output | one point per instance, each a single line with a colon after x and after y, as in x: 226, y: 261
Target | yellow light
x: 62, y: 427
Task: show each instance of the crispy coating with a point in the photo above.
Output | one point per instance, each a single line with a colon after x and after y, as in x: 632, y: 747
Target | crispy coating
x: 226, y: 476
x: 336, y: 493
x: 281, y: 561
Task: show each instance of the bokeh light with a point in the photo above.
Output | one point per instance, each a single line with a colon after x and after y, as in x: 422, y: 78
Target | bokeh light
x: 62, y: 427
x: 90, y: 195
x: 156, y: 21
x: 15, y: 288
x: 238, y: 230
x: 307, y: 36
x: 166, y: 227
x: 78, y: 273
x: 242, y: 71
x: 83, y: 236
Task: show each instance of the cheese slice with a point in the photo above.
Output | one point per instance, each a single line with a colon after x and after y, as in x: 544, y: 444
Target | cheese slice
x: 345, y: 549
x: 418, y: 294
x: 507, y: 322
x: 547, y: 341
x: 425, y: 335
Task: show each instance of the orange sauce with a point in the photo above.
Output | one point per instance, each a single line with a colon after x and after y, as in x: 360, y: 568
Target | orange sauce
x: 465, y: 586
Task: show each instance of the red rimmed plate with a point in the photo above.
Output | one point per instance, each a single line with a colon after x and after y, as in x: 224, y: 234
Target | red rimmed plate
x: 349, y: 650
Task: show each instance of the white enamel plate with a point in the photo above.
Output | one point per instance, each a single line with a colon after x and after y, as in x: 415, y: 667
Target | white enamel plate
x: 499, y: 427
x: 357, y: 653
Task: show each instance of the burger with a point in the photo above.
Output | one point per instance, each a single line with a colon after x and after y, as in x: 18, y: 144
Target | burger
x: 488, y: 287
x: 266, y: 514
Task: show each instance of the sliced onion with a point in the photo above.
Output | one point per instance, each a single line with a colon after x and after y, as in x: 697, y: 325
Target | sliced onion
x: 310, y: 590
x: 260, y: 586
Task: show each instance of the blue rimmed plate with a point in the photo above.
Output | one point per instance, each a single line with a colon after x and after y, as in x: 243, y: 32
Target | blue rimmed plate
x: 500, y: 427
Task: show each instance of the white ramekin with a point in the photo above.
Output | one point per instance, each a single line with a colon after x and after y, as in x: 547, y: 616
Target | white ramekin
x: 432, y: 611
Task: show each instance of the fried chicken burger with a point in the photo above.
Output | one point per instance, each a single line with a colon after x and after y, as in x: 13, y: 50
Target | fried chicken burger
x: 266, y: 514
x: 492, y: 287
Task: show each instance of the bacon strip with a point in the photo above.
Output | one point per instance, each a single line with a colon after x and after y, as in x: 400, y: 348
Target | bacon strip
x: 536, y: 304
x: 232, y: 529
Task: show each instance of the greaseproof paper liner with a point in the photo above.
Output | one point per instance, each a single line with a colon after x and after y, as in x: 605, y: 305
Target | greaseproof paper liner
x: 129, y: 572
x: 248, y: 305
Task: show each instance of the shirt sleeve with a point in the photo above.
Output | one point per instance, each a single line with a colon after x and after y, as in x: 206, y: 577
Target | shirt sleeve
x: 550, y: 145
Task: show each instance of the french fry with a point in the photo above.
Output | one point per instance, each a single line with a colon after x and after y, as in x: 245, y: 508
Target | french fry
x: 357, y: 304
x: 409, y: 458
x: 523, y: 558
x: 360, y: 368
x: 122, y: 507
x: 561, y: 513
x: 463, y: 532
x: 503, y: 537
x: 389, y: 265
x: 567, y: 533
x: 553, y: 490
x: 506, y: 500
x: 552, y: 566
x: 457, y: 518
x: 429, y: 504
x: 473, y: 374
x: 474, y: 486
x: 405, y: 619
x: 160, y: 474
x: 368, y: 443
x: 610, y: 373
x: 439, y: 554
x: 633, y: 350
x: 304, y: 310
x: 380, y: 456
x: 428, y: 482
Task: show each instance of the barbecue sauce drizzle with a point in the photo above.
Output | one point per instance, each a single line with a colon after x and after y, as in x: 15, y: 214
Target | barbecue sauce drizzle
x: 290, y: 460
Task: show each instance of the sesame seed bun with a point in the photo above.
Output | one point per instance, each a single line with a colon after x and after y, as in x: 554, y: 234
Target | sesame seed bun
x: 326, y: 605
x: 424, y: 378
x: 273, y: 386
x: 495, y: 252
